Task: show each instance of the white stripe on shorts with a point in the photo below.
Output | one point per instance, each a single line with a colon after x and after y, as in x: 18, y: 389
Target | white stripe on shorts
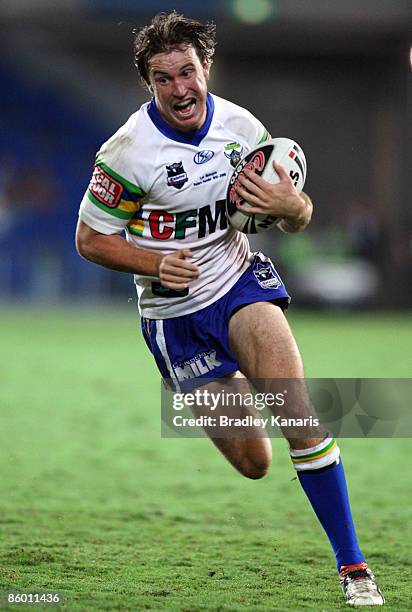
x: 161, y: 343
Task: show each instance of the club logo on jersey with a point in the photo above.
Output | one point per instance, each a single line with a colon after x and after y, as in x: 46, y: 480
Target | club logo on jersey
x: 105, y: 188
x: 265, y: 275
x: 202, y: 157
x: 233, y: 151
x: 176, y: 175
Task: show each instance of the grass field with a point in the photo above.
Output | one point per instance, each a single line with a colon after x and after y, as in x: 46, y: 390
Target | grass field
x: 94, y: 505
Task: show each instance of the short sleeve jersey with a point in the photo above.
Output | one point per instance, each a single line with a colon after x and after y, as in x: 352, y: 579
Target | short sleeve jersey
x: 166, y: 189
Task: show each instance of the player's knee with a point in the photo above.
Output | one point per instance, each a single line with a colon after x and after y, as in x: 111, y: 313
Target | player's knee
x: 255, y: 469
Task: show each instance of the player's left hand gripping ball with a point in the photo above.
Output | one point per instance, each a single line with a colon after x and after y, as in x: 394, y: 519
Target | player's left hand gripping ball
x: 284, y: 151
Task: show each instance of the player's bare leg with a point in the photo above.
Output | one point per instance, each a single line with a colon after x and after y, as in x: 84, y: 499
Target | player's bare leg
x: 264, y: 346
x: 261, y: 339
x: 250, y: 455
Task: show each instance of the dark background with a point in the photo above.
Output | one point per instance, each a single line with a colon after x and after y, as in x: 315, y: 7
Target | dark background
x: 335, y: 76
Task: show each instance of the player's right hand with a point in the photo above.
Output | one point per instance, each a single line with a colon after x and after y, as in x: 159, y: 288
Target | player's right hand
x: 176, y: 272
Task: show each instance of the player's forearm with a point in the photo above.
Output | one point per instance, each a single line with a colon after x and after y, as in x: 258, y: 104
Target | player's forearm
x: 115, y: 253
x: 300, y: 221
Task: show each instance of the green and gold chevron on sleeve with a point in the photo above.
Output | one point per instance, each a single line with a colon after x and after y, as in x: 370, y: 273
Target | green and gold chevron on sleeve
x: 131, y: 188
x: 113, y: 193
x: 115, y: 212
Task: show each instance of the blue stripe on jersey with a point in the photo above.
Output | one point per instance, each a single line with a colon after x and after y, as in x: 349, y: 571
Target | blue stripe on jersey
x: 192, y: 138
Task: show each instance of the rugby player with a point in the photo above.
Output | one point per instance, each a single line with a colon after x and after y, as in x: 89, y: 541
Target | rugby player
x: 162, y: 179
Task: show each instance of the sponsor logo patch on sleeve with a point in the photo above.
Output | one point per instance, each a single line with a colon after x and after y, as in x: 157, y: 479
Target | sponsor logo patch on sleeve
x: 105, y: 188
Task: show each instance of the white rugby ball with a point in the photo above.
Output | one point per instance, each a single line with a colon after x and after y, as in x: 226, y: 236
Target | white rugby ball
x: 282, y: 150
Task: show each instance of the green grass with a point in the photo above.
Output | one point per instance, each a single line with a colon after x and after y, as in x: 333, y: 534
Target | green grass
x: 95, y: 505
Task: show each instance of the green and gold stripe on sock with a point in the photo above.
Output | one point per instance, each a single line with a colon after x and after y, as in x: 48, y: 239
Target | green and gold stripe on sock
x: 319, y: 456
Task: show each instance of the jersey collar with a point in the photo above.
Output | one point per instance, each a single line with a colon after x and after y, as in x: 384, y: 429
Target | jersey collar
x: 193, y: 138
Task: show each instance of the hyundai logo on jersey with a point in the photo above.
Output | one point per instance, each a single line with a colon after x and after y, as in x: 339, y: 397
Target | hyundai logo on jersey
x: 176, y: 175
x: 202, y: 157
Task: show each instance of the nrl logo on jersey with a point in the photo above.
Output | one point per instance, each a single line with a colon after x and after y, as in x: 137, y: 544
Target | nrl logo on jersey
x: 176, y: 175
x: 233, y: 151
x: 266, y: 276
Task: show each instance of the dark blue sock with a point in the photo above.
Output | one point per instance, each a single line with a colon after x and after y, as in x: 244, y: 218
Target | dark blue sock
x: 327, y: 492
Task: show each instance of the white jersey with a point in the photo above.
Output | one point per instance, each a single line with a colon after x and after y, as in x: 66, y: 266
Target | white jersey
x: 167, y: 190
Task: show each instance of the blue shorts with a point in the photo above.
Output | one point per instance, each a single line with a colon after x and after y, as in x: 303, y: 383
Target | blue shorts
x: 193, y: 347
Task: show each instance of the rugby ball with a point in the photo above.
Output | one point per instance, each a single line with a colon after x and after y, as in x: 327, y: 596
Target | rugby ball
x: 282, y: 150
